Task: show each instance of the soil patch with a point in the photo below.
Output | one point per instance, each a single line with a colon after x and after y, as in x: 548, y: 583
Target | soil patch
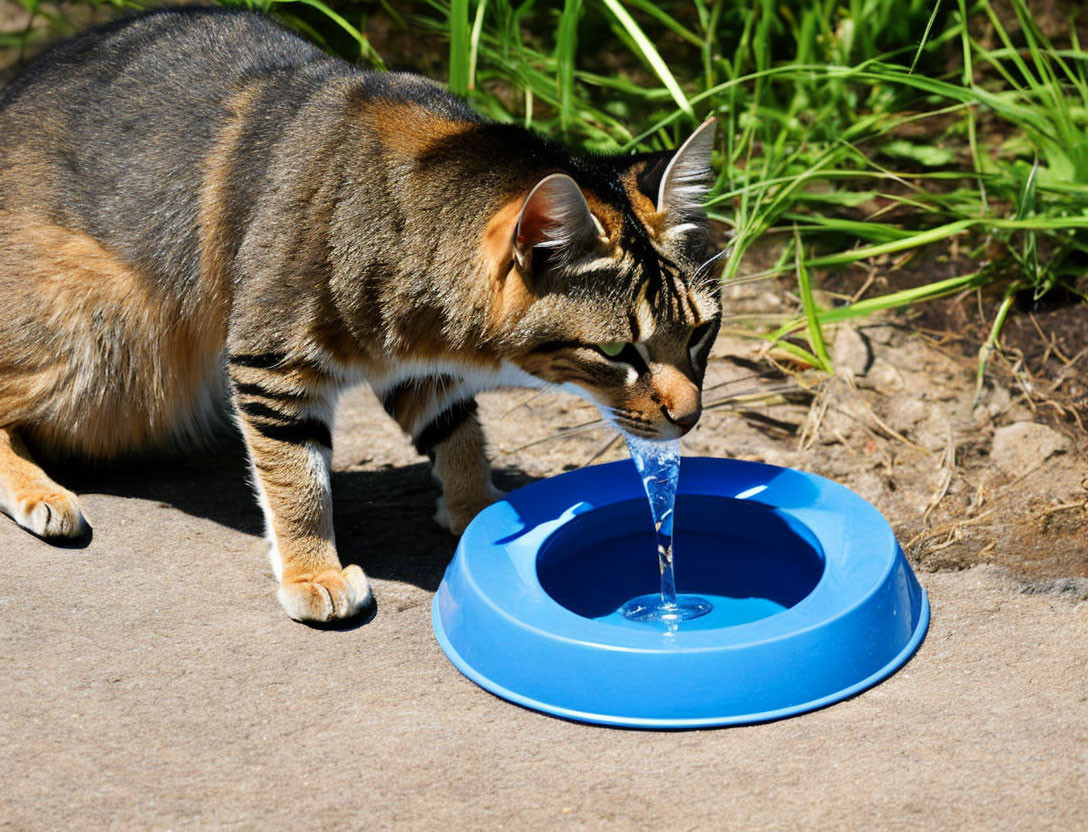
x: 900, y: 422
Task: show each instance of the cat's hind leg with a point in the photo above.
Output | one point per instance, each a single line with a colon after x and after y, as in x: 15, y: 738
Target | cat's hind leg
x: 30, y: 498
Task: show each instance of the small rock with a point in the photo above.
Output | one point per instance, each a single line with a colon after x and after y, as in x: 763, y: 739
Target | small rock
x: 884, y: 378
x: 995, y: 401
x: 880, y: 333
x: 771, y: 300
x: 904, y: 411
x: 850, y: 352
x: 1024, y: 446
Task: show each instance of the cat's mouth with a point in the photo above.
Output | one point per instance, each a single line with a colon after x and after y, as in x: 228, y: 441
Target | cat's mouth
x: 630, y: 422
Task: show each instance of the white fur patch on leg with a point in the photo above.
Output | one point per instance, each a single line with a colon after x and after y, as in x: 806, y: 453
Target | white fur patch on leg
x: 274, y: 559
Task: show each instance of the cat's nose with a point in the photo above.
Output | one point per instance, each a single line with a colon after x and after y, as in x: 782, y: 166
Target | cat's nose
x: 684, y: 419
x: 678, y: 398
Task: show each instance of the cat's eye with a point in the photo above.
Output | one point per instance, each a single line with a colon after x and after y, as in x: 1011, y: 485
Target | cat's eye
x: 624, y: 352
x: 700, y: 343
x: 699, y: 333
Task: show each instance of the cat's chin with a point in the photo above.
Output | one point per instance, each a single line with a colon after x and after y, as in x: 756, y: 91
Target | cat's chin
x: 667, y: 433
x: 625, y: 431
x: 648, y: 437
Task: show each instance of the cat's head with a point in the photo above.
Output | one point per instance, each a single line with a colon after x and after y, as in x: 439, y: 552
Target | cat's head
x: 612, y: 292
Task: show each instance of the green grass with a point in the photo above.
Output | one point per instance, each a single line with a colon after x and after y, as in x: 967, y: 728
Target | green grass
x: 850, y: 129
x: 828, y: 109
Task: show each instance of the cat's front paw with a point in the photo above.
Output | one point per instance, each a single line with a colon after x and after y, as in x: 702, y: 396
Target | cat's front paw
x: 330, y: 595
x: 50, y: 513
x: 454, y: 516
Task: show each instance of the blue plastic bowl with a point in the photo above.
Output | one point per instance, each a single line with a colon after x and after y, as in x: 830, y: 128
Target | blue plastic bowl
x: 813, y: 598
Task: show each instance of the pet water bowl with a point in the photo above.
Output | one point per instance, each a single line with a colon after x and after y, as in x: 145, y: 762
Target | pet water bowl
x: 813, y: 600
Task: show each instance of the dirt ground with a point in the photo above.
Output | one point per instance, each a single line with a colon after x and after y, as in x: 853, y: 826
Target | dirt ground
x: 150, y: 680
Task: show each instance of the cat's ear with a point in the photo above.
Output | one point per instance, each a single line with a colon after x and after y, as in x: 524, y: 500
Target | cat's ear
x: 677, y: 183
x: 555, y: 216
x: 687, y: 178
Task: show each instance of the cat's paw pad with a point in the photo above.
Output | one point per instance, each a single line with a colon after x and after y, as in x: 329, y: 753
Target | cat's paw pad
x: 327, y: 596
x: 52, y: 513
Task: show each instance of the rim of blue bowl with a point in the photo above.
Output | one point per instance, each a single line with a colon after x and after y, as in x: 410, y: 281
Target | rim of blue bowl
x: 816, y: 609
x: 677, y: 724
x: 566, y: 626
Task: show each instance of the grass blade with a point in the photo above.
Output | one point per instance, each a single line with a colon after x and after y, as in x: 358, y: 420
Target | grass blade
x: 474, y: 44
x: 565, y: 50
x: 365, y: 49
x: 459, y: 47
x: 808, y: 303
x: 650, y: 54
x: 987, y: 349
x: 893, y: 300
x: 925, y: 37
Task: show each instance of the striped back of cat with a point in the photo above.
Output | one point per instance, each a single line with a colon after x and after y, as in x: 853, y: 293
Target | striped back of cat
x: 204, y: 218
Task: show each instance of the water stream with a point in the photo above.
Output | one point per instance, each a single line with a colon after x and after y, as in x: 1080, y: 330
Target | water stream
x: 658, y: 465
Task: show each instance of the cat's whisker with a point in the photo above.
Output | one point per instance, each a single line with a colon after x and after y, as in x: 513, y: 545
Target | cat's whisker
x: 603, y: 449
x: 629, y: 423
x: 613, y: 417
x: 530, y: 398
x: 699, y: 271
x: 752, y: 278
x: 642, y: 428
x: 631, y: 419
x: 720, y: 384
x: 562, y: 434
x: 753, y: 395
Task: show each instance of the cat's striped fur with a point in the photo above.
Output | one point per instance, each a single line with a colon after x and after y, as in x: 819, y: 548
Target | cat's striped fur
x: 202, y: 216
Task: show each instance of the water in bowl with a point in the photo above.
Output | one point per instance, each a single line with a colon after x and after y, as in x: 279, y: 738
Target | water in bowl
x: 658, y: 465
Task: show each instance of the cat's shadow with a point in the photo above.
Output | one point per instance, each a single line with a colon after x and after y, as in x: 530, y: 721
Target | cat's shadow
x: 383, y: 519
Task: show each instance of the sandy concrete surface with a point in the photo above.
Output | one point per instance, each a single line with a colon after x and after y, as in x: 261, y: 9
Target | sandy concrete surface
x: 150, y: 680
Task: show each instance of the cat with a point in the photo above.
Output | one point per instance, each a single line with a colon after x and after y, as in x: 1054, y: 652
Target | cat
x: 203, y: 216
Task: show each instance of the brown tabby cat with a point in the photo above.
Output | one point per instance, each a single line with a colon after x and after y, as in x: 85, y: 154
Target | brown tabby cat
x: 202, y: 214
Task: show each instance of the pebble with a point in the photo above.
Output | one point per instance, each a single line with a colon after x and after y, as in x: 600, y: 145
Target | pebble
x: 1022, y: 447
x: 850, y: 352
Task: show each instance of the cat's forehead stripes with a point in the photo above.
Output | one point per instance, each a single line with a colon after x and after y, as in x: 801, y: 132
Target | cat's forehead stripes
x: 629, y: 219
x: 660, y: 290
x: 660, y: 285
